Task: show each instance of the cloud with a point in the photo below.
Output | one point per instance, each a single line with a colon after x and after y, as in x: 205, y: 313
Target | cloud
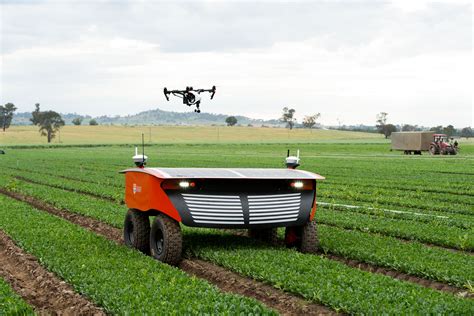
x: 347, y: 60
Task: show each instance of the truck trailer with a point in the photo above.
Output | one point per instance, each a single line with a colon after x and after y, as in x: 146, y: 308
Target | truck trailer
x: 416, y: 142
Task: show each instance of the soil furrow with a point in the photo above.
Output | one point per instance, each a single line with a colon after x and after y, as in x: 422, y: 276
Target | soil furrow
x: 115, y: 234
x: 42, y: 289
x: 59, y: 176
x: 402, y: 276
x: 225, y: 280
x: 97, y: 196
x: 385, y: 271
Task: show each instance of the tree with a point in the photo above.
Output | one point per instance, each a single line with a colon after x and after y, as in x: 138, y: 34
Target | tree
x: 389, y: 129
x: 467, y: 132
x: 6, y: 115
x: 288, y: 117
x: 310, y: 120
x: 93, y: 122
x: 449, y: 130
x: 408, y: 128
x: 383, y: 127
x: 77, y: 121
x: 438, y: 129
x: 381, y: 121
x: 231, y: 121
x: 49, y: 122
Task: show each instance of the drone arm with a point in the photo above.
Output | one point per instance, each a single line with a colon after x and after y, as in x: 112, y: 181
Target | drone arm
x: 165, y: 91
x: 211, y: 91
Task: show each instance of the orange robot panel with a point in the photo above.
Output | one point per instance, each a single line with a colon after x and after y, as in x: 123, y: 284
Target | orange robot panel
x: 143, y: 192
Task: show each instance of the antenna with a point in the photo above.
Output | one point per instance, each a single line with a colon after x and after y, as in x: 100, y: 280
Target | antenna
x: 140, y: 160
x: 143, y: 148
x: 292, y: 162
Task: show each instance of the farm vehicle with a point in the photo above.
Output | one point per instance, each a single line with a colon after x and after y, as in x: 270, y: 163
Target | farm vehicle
x: 259, y: 200
x: 416, y: 142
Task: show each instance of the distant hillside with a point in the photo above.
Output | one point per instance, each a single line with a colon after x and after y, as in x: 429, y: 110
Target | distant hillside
x: 153, y: 117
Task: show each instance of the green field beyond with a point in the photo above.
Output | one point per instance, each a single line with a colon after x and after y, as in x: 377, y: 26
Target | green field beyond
x: 29, y: 135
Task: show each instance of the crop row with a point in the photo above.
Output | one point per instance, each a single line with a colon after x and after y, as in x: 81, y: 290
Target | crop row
x: 99, y: 186
x: 119, y: 279
x: 440, y: 234
x: 112, y: 268
x: 388, y: 201
x: 399, y: 185
x: 437, y: 198
x: 435, y: 218
x: 107, y: 185
x: 11, y: 303
x: 319, y: 279
x: 400, y: 172
x: 97, y: 189
x: 413, y: 258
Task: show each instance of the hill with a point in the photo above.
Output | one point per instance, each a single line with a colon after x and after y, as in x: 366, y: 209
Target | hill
x: 154, y: 117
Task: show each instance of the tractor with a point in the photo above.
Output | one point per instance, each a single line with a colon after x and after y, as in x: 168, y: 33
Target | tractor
x: 442, y: 146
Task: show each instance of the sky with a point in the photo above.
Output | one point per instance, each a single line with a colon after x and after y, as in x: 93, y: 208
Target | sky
x: 347, y: 60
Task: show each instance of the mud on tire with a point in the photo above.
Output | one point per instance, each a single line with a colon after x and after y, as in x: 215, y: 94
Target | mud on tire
x: 166, y: 241
x: 267, y: 235
x: 136, y: 231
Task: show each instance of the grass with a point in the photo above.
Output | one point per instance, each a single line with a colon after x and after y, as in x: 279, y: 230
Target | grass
x: 29, y: 135
x: 11, y: 303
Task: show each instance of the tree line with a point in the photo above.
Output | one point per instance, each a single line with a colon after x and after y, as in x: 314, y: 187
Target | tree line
x: 50, y: 122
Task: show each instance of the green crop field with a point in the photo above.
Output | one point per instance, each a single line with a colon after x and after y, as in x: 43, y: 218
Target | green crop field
x: 396, y: 232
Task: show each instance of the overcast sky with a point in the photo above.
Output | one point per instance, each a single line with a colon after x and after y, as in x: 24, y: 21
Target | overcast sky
x: 347, y: 60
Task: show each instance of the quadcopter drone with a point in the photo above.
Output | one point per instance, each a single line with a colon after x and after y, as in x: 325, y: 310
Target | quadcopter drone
x: 190, y: 96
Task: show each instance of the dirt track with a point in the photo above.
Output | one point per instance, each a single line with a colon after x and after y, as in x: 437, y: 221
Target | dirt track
x: 39, y: 287
x: 227, y: 281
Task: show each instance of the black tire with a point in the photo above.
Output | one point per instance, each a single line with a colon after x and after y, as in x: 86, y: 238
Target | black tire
x: 433, y: 150
x: 304, y: 238
x: 136, y: 230
x: 309, y: 238
x: 267, y: 235
x: 166, y: 241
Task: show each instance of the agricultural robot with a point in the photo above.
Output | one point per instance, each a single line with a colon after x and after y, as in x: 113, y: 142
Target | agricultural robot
x: 259, y: 200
